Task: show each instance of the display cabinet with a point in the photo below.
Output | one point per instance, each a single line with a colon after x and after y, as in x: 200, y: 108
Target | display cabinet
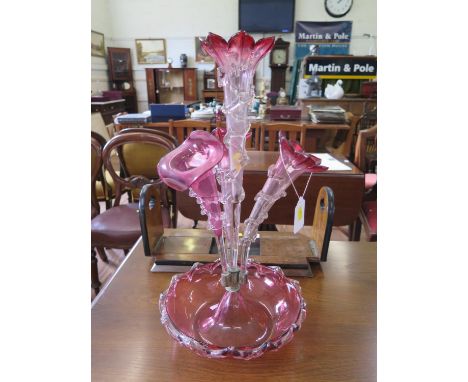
x: 121, y: 76
x: 169, y: 85
x: 211, y: 88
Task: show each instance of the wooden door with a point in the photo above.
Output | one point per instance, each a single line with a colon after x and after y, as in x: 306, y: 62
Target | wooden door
x: 190, y: 85
x: 151, y: 85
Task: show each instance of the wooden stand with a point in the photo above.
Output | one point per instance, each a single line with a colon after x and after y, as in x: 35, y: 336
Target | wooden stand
x: 176, y: 250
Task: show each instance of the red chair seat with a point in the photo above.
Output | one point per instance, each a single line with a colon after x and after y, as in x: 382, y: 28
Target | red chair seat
x: 368, y: 217
x: 117, y: 227
x: 370, y: 180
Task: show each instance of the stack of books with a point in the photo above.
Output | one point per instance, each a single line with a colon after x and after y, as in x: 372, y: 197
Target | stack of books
x: 327, y: 114
x: 206, y: 113
x: 134, y: 118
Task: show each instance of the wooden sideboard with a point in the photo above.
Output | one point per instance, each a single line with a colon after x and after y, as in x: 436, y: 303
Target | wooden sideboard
x: 108, y: 109
x: 357, y: 106
x: 209, y: 95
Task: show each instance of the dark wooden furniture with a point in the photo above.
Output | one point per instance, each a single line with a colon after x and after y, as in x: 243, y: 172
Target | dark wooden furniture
x: 151, y: 223
x: 108, y: 109
x: 348, y: 187
x: 367, y: 219
x: 181, y: 129
x: 210, y: 95
x: 121, y: 76
x: 337, y: 341
x: 103, y: 188
x: 252, y: 141
x: 183, y: 247
x: 119, y: 226
x: 279, y: 58
x: 357, y: 106
x: 366, y: 159
x: 315, y: 132
x: 162, y: 126
x: 342, y: 141
x: 143, y: 160
x: 211, y: 88
x: 293, y: 132
x: 169, y: 85
x: 96, y: 167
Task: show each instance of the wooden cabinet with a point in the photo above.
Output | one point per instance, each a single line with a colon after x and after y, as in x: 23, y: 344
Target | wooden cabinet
x: 121, y: 76
x: 108, y: 109
x: 357, y: 106
x: 131, y: 104
x: 210, y: 95
x: 169, y: 85
x: 211, y: 90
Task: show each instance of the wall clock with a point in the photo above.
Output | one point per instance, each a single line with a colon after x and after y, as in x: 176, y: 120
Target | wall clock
x: 338, y: 8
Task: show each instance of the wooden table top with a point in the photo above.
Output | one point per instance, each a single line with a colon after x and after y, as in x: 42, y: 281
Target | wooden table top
x: 259, y: 161
x: 347, y: 186
x: 337, y: 342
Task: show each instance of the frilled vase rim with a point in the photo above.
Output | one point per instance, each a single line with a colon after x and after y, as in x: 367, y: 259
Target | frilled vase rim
x: 239, y: 52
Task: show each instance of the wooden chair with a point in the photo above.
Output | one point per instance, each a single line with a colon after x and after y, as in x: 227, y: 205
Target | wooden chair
x: 252, y: 142
x: 145, y: 162
x: 104, y: 187
x: 181, y: 129
x: 98, y: 126
x: 365, y: 122
x: 151, y: 130
x: 366, y: 159
x: 119, y: 226
x: 161, y: 126
x: 292, y: 131
x: 365, y: 155
x: 96, y: 168
x: 344, y: 139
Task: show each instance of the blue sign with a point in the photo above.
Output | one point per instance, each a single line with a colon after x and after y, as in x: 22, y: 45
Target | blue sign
x: 331, y: 37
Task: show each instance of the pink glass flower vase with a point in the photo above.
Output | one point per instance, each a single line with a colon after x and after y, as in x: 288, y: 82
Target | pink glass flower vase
x: 233, y: 307
x: 237, y: 60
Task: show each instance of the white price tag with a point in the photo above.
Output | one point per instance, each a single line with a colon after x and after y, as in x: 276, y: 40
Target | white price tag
x: 299, y: 213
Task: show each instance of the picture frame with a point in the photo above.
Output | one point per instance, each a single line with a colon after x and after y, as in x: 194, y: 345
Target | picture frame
x: 151, y: 51
x: 97, y: 44
x: 211, y: 83
x: 200, y: 55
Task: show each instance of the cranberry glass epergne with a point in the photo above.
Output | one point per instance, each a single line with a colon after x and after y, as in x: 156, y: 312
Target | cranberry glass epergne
x: 233, y: 307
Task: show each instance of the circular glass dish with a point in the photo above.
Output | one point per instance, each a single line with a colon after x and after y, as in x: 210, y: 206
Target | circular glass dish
x: 263, y: 315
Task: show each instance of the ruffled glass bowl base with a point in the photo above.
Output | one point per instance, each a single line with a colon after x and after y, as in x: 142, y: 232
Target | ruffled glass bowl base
x: 263, y: 315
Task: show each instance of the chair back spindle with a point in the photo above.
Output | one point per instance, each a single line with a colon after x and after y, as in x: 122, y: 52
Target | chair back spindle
x: 293, y: 132
x: 181, y: 129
